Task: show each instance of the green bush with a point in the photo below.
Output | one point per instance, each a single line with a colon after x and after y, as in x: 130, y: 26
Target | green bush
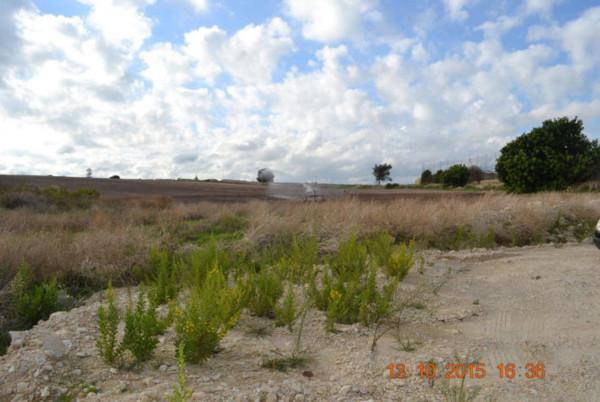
x: 263, y: 290
x: 108, y: 322
x: 376, y: 305
x: 455, y: 176
x: 298, y: 263
x: 549, y: 158
x: 380, y: 247
x: 164, y: 279
x: 348, y: 289
x: 142, y: 328
x: 64, y: 199
x: 33, y: 301
x: 400, y: 261
x: 286, y: 314
x: 209, y: 313
x: 351, y: 258
x: 180, y: 392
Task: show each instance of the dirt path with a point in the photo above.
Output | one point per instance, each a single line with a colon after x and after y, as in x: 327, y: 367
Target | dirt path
x: 520, y: 306
x: 537, y: 305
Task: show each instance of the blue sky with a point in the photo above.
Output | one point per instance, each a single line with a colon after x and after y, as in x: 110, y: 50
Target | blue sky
x: 316, y: 90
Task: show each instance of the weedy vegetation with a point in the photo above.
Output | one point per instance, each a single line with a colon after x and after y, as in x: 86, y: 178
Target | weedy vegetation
x: 180, y: 392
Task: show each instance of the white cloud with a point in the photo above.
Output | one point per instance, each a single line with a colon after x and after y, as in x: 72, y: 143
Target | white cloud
x: 199, y: 6
x: 249, y: 55
x: 579, y: 38
x: 543, y: 7
x: 457, y: 9
x: 332, y: 20
x: 74, y: 94
x: 120, y: 22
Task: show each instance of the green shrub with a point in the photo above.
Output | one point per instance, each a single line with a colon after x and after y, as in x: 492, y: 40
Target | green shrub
x: 33, y: 301
x: 180, y: 392
x: 380, y: 248
x: 455, y: 176
x: 164, y: 278
x: 549, y: 158
x: 263, y: 290
x: 209, y: 313
x: 108, y: 321
x: 349, y: 291
x: 320, y: 295
x: 286, y: 314
x: 400, y: 261
x: 341, y: 299
x: 376, y: 305
x: 301, y: 258
x: 351, y: 258
x: 142, y: 327
x: 64, y: 199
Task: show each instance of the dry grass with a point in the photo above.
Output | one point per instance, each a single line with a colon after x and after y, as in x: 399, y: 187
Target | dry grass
x: 511, y: 219
x: 112, y: 238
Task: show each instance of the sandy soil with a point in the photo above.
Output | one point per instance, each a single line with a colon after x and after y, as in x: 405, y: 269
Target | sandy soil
x: 529, y: 305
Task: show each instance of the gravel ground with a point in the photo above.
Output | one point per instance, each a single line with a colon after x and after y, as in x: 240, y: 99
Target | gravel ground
x: 535, y: 305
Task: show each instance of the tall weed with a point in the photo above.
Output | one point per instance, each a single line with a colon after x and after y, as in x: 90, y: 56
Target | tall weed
x: 33, y: 301
x: 211, y: 310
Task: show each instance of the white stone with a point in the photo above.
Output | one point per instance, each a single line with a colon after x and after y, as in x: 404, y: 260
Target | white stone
x: 53, y: 346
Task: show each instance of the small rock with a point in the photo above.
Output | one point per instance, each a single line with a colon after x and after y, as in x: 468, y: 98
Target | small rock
x: 45, y: 393
x: 17, y: 338
x: 76, y: 372
x: 53, y: 346
x: 163, y: 367
x: 68, y: 344
x: 122, y: 386
x: 22, y: 387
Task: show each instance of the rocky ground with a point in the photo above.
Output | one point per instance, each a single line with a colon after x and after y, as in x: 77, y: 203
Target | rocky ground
x: 526, y: 305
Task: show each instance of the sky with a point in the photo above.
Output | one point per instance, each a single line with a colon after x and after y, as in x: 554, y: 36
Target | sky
x: 316, y: 90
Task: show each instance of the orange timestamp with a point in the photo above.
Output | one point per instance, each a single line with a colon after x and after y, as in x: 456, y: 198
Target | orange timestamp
x: 430, y: 370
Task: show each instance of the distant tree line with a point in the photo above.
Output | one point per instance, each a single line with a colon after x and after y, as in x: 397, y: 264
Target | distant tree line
x: 455, y: 176
x: 552, y: 157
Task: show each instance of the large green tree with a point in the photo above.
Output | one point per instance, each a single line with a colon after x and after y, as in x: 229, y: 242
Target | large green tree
x: 382, y: 172
x: 551, y: 157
